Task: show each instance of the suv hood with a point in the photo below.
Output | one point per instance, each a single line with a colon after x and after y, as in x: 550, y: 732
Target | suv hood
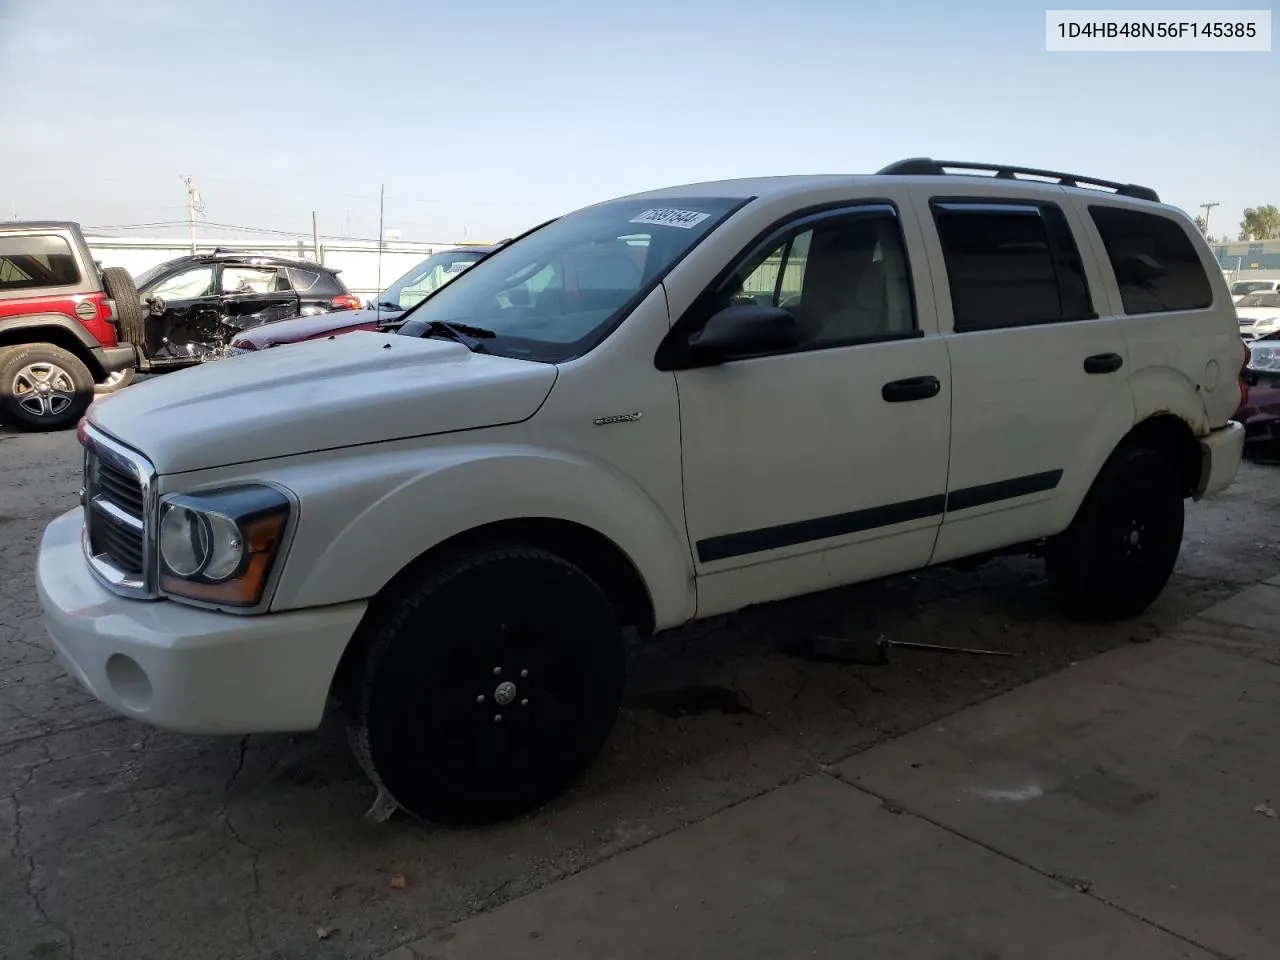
x: 317, y: 325
x: 319, y: 395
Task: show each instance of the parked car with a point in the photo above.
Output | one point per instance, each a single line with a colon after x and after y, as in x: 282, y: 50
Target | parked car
x: 195, y: 305
x: 1261, y: 413
x: 60, y: 324
x: 1258, y: 314
x: 407, y: 292
x: 1243, y: 288
x: 612, y: 422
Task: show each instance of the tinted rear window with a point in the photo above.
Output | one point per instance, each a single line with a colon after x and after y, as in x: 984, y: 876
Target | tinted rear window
x: 36, y: 261
x: 1155, y: 262
x: 303, y: 280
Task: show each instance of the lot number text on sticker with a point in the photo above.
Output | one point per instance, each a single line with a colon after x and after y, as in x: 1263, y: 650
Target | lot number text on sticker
x: 684, y: 219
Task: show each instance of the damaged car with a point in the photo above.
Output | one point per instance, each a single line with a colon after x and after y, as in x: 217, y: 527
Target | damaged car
x: 385, y: 312
x: 1261, y: 412
x: 194, y: 306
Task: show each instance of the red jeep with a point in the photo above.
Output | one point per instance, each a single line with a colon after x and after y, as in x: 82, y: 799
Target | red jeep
x: 66, y: 326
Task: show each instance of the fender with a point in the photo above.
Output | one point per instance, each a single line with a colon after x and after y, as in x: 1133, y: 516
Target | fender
x: 1156, y: 390
x: 365, y: 517
x: 65, y: 324
x: 1160, y: 389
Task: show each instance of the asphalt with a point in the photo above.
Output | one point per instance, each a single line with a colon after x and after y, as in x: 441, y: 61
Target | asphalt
x: 119, y: 841
x: 1125, y: 807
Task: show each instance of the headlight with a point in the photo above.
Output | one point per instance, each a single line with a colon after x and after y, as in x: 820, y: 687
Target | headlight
x: 219, y: 545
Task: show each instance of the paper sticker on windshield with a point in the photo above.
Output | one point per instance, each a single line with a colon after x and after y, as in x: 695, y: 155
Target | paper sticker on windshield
x: 684, y: 219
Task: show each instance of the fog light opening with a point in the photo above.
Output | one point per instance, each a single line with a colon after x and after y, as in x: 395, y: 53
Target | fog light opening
x: 129, y: 682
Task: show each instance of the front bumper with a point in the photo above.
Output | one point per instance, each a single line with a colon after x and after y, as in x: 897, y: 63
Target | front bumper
x: 183, y: 668
x: 1220, y: 455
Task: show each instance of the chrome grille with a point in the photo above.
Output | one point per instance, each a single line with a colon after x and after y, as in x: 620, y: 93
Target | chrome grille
x: 119, y: 509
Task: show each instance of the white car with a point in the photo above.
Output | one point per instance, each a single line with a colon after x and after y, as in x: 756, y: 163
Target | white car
x: 614, y: 422
x: 1243, y: 288
x: 1258, y: 314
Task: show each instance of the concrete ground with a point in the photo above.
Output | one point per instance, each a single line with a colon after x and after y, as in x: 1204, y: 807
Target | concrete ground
x: 117, y: 840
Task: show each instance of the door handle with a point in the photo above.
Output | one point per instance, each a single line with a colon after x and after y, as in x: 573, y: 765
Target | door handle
x: 1103, y: 363
x: 913, y: 388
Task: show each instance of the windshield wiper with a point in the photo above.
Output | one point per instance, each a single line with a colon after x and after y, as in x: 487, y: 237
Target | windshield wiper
x: 462, y: 333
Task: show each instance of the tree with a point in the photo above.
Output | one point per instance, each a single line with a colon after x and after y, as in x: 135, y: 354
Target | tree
x: 1260, y: 223
x: 1203, y: 226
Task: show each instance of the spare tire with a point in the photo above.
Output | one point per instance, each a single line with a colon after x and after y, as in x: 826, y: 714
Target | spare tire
x: 120, y: 288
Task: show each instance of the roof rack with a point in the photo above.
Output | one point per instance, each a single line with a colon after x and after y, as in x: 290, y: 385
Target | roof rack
x: 925, y: 167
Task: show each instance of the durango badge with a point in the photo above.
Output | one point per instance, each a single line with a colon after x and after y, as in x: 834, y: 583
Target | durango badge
x: 617, y: 418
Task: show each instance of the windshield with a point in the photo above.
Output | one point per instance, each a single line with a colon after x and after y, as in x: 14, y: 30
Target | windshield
x: 427, y: 277
x: 1248, y: 286
x: 1260, y: 300
x: 556, y: 292
x: 142, y: 279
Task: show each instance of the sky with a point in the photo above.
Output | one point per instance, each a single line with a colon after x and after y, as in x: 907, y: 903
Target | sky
x: 478, y: 120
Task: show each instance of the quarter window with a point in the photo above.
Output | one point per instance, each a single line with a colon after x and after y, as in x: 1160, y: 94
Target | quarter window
x: 36, y: 261
x: 844, y: 278
x: 1010, y: 265
x: 1156, y: 265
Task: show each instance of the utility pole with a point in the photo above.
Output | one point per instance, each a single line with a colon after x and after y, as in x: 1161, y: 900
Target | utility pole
x: 315, y: 237
x: 194, y: 205
x: 1206, y: 207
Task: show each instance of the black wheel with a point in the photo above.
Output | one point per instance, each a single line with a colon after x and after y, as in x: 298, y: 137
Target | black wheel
x: 43, y: 387
x: 489, y: 686
x: 1120, y: 550
x: 120, y: 288
x: 115, y: 381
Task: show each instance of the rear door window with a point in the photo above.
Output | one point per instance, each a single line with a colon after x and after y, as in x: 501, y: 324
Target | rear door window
x: 250, y: 280
x: 1010, y: 264
x: 1155, y: 263
x: 30, y: 262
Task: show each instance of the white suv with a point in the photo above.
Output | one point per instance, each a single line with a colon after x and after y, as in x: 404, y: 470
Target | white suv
x: 649, y: 411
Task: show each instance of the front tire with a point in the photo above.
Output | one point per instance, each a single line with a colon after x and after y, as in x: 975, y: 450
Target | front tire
x: 43, y: 387
x: 1120, y: 550
x: 489, y: 686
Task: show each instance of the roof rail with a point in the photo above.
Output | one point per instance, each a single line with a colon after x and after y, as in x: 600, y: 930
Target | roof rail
x: 925, y: 167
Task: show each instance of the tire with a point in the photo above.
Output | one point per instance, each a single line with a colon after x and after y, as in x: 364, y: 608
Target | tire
x: 116, y: 381
x: 25, y: 370
x: 511, y: 632
x: 1119, y: 552
x: 120, y: 288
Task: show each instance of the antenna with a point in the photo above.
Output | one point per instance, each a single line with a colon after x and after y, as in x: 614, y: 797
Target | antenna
x: 382, y: 190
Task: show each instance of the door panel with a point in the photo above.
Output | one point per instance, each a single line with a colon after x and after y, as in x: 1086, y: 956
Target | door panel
x: 798, y: 473
x: 1037, y: 377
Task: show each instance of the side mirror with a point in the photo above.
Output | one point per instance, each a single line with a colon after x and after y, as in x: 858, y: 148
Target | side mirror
x: 742, y: 330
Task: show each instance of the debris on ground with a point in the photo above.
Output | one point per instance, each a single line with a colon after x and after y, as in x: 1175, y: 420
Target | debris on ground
x: 875, y: 652
x: 1266, y: 810
x: 324, y: 933
x: 397, y: 882
x: 384, y: 805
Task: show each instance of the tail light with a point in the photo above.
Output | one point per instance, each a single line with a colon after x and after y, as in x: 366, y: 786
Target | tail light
x: 346, y: 302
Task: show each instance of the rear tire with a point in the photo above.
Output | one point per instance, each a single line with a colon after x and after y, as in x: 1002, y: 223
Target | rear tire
x: 43, y: 387
x: 509, y: 632
x: 120, y: 288
x: 1120, y: 550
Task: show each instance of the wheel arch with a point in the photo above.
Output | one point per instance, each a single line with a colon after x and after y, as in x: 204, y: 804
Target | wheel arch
x: 1172, y: 437
x: 56, y: 330
x: 589, y: 550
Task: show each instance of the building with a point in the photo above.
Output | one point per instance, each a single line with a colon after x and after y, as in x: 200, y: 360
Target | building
x: 1246, y: 256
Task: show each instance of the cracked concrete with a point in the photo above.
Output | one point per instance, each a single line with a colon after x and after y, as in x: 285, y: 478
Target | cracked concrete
x: 140, y: 842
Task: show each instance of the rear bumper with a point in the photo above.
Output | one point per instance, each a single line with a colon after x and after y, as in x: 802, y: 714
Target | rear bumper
x: 114, y: 359
x: 1220, y: 455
